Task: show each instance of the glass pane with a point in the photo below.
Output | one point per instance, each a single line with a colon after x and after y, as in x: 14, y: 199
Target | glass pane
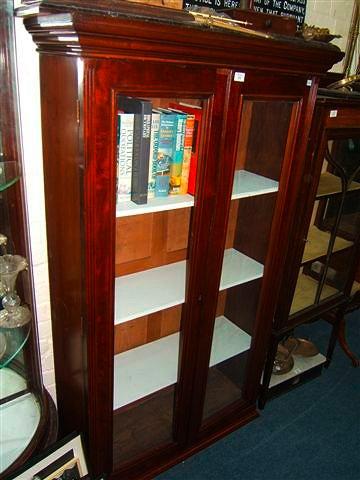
x: 334, y: 227
x: 255, y: 186
x: 15, y: 316
x: 154, y: 211
x: 8, y: 174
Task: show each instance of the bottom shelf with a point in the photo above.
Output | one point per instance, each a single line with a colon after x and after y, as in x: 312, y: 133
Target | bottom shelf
x: 148, y: 424
x: 301, y: 365
x: 146, y: 369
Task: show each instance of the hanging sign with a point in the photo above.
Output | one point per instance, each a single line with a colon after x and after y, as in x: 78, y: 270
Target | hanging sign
x: 215, y: 4
x: 290, y: 8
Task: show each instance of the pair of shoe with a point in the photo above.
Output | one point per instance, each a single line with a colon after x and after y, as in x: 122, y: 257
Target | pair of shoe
x: 284, y: 360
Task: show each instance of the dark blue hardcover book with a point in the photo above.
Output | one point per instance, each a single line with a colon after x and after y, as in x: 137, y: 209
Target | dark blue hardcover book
x: 141, y: 144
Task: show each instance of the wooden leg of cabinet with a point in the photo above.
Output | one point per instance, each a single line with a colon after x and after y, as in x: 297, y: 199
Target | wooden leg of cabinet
x: 267, y: 374
x: 344, y: 345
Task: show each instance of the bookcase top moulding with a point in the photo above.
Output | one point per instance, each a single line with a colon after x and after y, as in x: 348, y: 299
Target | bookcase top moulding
x: 109, y: 29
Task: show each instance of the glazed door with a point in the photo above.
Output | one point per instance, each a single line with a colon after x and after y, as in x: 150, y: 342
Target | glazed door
x: 330, y: 253
x: 259, y: 172
x: 156, y: 243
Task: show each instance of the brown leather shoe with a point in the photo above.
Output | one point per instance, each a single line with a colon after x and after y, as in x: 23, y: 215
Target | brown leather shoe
x: 283, y: 362
x: 300, y: 346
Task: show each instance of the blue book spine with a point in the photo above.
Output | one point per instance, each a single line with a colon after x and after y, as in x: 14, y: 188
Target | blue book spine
x: 166, y: 150
x: 176, y: 166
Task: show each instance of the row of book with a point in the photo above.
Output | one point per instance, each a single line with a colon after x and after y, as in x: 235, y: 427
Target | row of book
x: 156, y: 149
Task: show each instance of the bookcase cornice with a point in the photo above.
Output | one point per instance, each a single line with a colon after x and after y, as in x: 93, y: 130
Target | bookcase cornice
x: 74, y: 32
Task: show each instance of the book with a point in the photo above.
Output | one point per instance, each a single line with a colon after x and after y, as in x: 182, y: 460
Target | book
x: 141, y: 144
x: 188, y: 140
x: 197, y: 112
x: 125, y: 155
x: 166, y: 149
x: 178, y: 153
x: 154, y: 148
x: 177, y: 163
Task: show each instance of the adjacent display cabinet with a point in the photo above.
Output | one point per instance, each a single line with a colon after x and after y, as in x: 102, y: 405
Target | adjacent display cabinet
x: 162, y: 311
x: 27, y: 413
x: 324, y: 260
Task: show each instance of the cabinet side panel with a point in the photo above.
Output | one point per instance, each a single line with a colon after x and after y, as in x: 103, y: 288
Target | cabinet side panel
x: 63, y: 184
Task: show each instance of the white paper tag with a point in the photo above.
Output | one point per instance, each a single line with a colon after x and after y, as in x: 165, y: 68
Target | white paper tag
x: 239, y: 77
x: 333, y: 113
x: 308, y: 83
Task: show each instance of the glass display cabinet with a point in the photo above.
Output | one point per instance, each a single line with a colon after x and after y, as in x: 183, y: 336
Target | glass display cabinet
x: 327, y: 282
x: 162, y: 312
x: 25, y: 406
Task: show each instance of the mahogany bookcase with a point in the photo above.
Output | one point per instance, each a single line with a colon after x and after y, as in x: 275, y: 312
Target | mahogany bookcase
x: 162, y: 314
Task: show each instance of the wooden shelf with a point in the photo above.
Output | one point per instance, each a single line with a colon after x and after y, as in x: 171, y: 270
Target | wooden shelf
x: 156, y: 289
x: 153, y: 366
x: 318, y: 242
x: 301, y: 365
x: 330, y: 184
x: 305, y: 293
x: 246, y: 184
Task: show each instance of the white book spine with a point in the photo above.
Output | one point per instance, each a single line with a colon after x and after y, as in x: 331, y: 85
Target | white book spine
x: 125, y: 155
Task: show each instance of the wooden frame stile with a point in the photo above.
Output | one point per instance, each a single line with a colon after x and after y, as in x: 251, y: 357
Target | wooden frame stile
x: 197, y: 279
x: 99, y: 221
x: 211, y: 277
x: 62, y: 188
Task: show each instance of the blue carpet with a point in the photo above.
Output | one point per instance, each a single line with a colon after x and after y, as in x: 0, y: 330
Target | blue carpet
x: 311, y: 432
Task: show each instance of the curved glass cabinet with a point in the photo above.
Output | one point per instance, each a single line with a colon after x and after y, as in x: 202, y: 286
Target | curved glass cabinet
x: 25, y: 405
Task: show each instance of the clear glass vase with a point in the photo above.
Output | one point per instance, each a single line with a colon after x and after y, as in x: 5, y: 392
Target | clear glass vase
x: 13, y: 314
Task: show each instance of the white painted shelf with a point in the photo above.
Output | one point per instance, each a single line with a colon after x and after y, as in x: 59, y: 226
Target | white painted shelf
x: 246, y: 184
x: 156, y: 289
x: 301, y: 365
x: 158, y: 204
x: 153, y: 366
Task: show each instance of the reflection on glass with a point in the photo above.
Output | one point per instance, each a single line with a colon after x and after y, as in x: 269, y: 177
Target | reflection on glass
x: 258, y: 167
x: 151, y: 254
x: 8, y: 175
x: 334, y: 227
